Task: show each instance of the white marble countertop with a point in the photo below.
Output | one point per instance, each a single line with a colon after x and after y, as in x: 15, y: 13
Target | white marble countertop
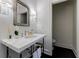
x: 21, y: 44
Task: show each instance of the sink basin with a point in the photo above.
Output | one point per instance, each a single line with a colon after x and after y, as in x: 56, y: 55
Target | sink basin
x: 22, y: 43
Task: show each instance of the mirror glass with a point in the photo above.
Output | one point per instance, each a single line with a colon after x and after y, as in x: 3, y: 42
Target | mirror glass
x: 22, y: 14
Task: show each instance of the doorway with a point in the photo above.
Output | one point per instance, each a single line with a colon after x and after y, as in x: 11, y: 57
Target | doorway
x: 64, y: 24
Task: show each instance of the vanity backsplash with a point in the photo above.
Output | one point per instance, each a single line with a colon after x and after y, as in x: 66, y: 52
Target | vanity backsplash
x: 21, y: 32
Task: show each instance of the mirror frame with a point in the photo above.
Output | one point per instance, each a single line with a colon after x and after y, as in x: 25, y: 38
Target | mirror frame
x: 15, y: 13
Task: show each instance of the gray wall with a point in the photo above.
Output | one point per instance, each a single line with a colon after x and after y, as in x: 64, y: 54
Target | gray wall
x: 63, y: 24
x: 74, y: 28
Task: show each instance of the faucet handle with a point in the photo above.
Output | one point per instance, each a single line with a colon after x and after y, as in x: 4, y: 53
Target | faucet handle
x: 25, y: 32
x: 22, y: 34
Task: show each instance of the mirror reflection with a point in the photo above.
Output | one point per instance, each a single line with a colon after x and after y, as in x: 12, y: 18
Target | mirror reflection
x: 22, y: 13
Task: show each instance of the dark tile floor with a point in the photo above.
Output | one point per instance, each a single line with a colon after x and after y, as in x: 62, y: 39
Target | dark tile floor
x: 59, y: 52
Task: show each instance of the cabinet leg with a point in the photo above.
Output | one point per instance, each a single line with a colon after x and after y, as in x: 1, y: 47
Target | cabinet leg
x: 43, y: 45
x: 31, y: 51
x: 7, y: 53
x: 20, y: 55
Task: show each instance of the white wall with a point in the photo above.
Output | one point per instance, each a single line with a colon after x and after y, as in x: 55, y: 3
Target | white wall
x: 63, y: 24
x: 5, y: 22
x: 44, y: 23
x: 77, y: 27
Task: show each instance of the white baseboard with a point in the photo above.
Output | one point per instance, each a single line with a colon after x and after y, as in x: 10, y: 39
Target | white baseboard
x: 47, y: 52
x: 75, y: 52
x: 63, y: 46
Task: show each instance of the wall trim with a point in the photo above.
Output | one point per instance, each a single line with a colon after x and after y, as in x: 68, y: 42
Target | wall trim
x: 46, y: 51
x: 75, y: 52
x: 57, y: 44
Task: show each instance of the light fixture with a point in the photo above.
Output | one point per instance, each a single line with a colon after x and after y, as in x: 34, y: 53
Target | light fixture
x: 7, y: 2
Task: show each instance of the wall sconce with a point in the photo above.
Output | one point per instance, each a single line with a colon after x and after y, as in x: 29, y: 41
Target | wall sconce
x: 33, y: 13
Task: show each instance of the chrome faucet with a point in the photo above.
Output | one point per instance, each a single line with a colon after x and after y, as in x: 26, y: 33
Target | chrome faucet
x: 25, y: 32
x: 22, y: 34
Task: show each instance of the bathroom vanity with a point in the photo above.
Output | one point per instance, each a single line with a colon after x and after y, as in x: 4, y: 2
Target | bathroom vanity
x: 20, y: 44
x: 21, y: 17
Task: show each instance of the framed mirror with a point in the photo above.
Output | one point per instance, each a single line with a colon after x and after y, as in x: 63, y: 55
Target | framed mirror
x: 21, y: 14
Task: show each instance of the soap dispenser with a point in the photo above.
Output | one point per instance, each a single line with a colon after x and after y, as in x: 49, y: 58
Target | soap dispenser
x: 16, y: 33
